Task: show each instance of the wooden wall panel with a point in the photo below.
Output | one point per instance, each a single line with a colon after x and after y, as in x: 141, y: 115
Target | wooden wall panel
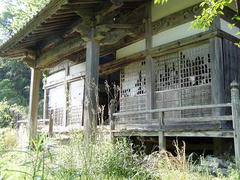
x: 231, y: 58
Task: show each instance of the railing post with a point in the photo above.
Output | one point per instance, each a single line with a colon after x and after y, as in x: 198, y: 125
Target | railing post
x: 112, y: 108
x: 236, y: 120
x: 161, y: 137
x: 50, y: 130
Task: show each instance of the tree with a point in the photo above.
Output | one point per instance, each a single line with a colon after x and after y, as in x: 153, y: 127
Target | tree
x: 14, y: 82
x: 14, y: 74
x: 18, y: 12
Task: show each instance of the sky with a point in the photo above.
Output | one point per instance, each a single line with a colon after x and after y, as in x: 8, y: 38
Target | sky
x: 2, y: 6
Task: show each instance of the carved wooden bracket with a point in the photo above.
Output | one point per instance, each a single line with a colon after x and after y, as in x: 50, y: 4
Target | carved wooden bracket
x: 29, y: 58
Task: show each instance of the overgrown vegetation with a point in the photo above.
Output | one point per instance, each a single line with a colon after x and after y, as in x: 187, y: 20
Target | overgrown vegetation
x: 99, y: 160
x: 14, y: 74
x: 9, y: 114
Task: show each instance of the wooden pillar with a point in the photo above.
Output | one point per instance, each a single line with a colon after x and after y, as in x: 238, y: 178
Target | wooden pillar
x: 217, y: 74
x: 33, y: 103
x: 161, y: 137
x: 45, y: 103
x: 91, y: 88
x: 66, y: 94
x: 150, y: 80
x: 149, y: 62
x: 236, y: 120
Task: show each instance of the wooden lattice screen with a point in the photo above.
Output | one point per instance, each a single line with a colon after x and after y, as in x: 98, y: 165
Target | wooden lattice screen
x: 56, y: 104
x: 75, y: 108
x: 133, y: 89
x: 182, y: 78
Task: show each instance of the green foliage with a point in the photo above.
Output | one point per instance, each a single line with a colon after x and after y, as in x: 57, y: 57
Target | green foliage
x: 8, y: 139
x: 15, y: 75
x: 160, y: 1
x: 18, y: 12
x: 14, y: 82
x: 99, y: 160
x: 9, y: 114
x: 211, y: 9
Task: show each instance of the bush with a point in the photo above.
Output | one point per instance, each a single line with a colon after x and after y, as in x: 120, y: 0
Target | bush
x: 9, y: 114
x: 99, y: 160
x: 8, y: 139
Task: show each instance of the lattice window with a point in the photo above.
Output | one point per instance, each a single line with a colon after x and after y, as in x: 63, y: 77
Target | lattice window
x: 75, y: 108
x: 57, y: 116
x: 166, y: 72
x: 56, y: 104
x: 188, y: 68
x: 75, y: 115
x: 133, y: 79
x: 195, y: 66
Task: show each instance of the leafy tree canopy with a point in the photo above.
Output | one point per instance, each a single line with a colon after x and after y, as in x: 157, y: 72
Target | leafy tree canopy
x: 15, y: 75
x: 18, y: 12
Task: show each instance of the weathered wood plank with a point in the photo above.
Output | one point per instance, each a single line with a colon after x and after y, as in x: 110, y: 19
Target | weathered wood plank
x: 181, y: 120
x: 217, y: 74
x: 200, y: 119
x: 174, y: 109
x: 193, y: 127
x: 59, y: 51
x: 222, y: 134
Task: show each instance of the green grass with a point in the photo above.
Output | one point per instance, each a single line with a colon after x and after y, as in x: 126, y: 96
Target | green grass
x: 99, y: 160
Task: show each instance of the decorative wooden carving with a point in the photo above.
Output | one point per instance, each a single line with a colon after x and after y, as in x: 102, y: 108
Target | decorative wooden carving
x: 175, y: 19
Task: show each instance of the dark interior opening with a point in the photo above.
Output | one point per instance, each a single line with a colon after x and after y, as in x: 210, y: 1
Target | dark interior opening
x: 106, y: 93
x: 221, y: 147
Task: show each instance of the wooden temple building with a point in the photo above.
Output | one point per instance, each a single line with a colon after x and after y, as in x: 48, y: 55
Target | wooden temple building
x: 173, y: 80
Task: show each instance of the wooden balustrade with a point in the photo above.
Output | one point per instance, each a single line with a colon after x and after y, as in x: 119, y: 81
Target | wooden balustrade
x: 235, y: 118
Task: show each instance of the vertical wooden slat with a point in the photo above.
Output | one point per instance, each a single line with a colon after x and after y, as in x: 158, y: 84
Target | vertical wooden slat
x: 236, y: 120
x: 50, y: 128
x: 91, y: 87
x: 217, y: 74
x: 226, y: 65
x: 161, y: 137
x: 33, y: 103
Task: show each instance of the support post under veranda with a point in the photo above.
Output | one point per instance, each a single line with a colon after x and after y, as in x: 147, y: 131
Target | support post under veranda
x: 50, y: 127
x: 33, y: 104
x: 236, y: 120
